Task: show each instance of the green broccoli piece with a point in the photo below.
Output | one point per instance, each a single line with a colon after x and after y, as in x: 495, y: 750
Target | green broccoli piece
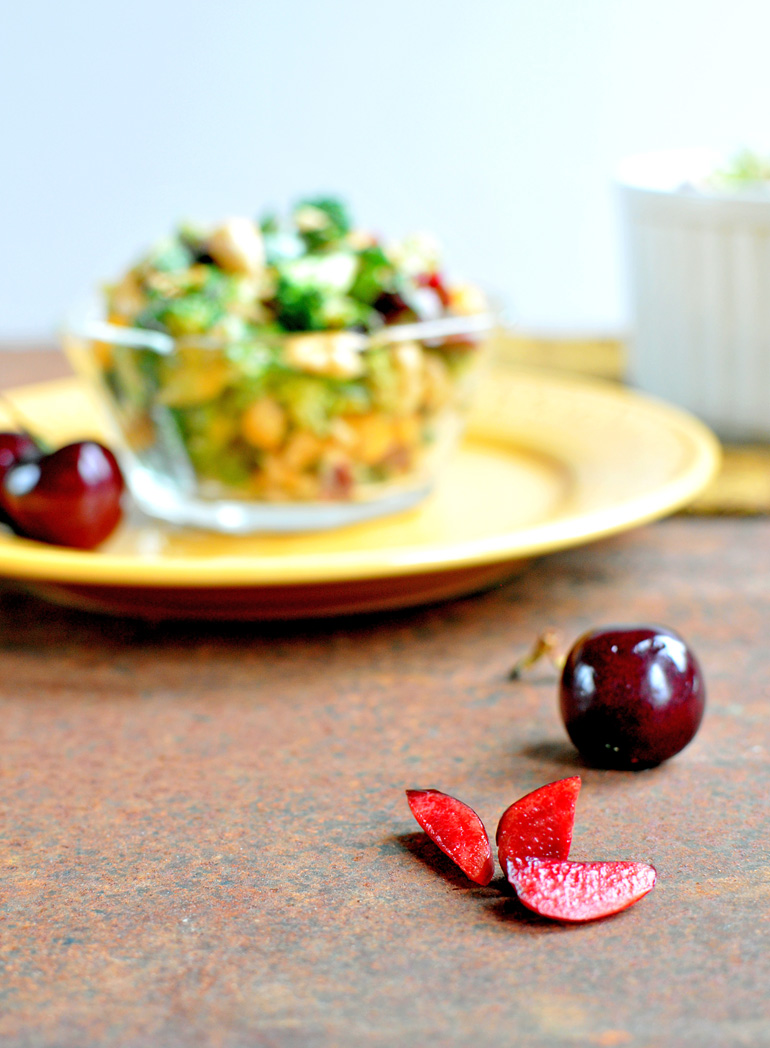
x: 299, y: 308
x: 191, y: 315
x: 321, y: 221
x: 376, y: 276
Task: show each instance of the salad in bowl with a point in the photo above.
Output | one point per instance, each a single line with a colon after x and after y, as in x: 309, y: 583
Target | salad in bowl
x: 283, y: 374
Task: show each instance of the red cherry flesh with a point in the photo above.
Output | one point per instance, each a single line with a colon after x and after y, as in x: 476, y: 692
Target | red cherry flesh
x: 71, y: 497
x: 631, y: 696
x: 539, y: 825
x: 456, y: 829
x: 580, y: 891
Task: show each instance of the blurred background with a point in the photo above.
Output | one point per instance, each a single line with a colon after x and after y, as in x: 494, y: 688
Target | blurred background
x: 497, y: 126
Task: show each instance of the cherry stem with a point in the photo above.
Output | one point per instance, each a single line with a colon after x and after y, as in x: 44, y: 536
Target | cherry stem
x: 21, y: 423
x: 547, y: 645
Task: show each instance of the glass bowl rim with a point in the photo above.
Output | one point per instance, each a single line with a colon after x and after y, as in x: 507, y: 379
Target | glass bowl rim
x: 87, y: 324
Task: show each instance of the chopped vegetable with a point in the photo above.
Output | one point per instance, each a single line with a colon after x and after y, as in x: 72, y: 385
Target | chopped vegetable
x: 271, y: 390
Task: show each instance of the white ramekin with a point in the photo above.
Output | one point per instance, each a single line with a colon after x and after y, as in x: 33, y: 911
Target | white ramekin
x: 698, y: 263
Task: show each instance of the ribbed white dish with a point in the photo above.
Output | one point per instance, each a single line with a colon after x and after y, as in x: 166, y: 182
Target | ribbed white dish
x: 699, y: 270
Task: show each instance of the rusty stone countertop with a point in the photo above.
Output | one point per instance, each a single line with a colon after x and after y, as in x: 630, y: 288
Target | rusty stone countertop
x: 204, y: 838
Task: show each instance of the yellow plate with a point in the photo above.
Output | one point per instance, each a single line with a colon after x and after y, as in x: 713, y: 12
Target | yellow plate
x: 549, y: 462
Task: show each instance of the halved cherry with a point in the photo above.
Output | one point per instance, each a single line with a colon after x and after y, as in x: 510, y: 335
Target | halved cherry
x: 579, y: 891
x: 456, y: 829
x: 539, y: 825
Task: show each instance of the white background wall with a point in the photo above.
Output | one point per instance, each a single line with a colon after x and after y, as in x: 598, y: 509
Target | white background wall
x: 496, y: 124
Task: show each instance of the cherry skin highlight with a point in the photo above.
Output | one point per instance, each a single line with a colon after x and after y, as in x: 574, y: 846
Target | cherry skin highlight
x: 71, y: 497
x: 631, y: 696
x: 15, y: 448
x: 456, y: 829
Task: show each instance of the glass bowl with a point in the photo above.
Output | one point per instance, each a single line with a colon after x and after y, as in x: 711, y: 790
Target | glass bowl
x: 285, y: 432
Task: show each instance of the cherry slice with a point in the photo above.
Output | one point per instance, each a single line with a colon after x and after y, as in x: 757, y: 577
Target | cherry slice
x: 580, y: 891
x: 539, y: 825
x: 456, y: 829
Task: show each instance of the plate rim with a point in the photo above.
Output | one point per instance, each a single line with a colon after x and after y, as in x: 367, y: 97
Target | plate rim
x: 22, y: 559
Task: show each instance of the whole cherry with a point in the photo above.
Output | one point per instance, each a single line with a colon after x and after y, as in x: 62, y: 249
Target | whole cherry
x: 70, y: 497
x: 14, y: 449
x: 631, y: 696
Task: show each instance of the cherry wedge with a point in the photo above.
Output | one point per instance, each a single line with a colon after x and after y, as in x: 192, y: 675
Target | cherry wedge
x: 456, y: 829
x: 539, y: 825
x: 579, y: 891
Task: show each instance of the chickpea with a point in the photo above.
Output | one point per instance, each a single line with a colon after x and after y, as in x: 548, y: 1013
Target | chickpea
x: 374, y: 437
x: 332, y: 353
x: 237, y: 246
x: 264, y: 424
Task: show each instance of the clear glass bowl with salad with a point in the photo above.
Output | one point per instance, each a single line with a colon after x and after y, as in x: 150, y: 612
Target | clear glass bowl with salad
x: 283, y: 375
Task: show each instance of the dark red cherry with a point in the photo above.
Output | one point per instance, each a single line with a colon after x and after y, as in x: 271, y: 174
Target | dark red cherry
x: 71, y: 497
x: 631, y: 696
x: 14, y: 449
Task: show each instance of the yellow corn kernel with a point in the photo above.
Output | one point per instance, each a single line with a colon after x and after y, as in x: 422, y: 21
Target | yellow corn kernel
x: 264, y: 424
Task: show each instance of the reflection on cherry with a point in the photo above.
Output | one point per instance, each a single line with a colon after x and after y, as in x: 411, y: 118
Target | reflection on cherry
x: 15, y: 448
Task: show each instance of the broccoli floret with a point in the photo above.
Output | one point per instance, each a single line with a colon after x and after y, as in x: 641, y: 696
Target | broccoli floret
x: 340, y: 311
x: 376, y: 276
x: 191, y: 315
x: 193, y: 237
x: 321, y: 221
x: 299, y: 308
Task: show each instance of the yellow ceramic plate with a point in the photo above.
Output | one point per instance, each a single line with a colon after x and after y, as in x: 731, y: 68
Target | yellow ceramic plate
x: 549, y: 462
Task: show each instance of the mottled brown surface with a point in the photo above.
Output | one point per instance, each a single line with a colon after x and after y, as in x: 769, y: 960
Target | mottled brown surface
x: 204, y: 839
